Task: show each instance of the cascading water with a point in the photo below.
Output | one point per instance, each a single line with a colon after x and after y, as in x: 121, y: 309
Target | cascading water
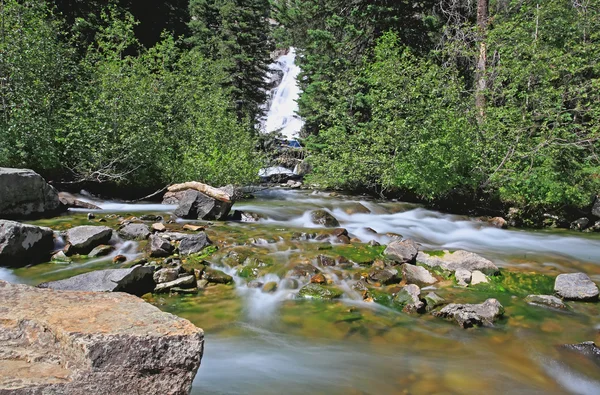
x: 281, y: 114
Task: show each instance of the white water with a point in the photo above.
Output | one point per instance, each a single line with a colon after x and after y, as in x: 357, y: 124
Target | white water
x: 281, y: 115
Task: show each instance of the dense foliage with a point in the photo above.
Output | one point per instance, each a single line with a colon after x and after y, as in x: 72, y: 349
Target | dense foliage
x: 391, y: 105
x: 117, y: 112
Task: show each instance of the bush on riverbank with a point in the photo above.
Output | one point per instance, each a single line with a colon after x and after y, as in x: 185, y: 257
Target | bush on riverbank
x: 120, y: 113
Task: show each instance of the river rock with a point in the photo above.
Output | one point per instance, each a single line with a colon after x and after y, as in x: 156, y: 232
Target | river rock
x: 101, y: 250
x: 196, y: 205
x: 576, y: 286
x: 270, y: 287
x: 134, y: 231
x: 478, y: 277
x: 71, y: 201
x: 460, y: 259
x: 60, y: 257
x: 545, y: 300
x: 173, y: 198
x: 24, y: 193
x: 322, y: 217
x: 83, y: 239
x: 588, y: 349
x: 596, y: 207
x: 193, y: 244
x: 408, y: 299
x: 469, y: 315
x: 463, y: 277
x: 22, y: 244
x: 402, y: 251
x: 165, y: 275
x: 498, y: 222
x: 325, y: 260
x: 580, y: 224
x: 159, y: 247
x: 83, y: 343
x: 215, y: 276
x: 417, y: 275
x: 316, y: 291
x: 181, y: 282
x: 159, y: 227
x: 433, y: 300
x: 383, y: 276
x: 302, y: 270
x: 136, y: 281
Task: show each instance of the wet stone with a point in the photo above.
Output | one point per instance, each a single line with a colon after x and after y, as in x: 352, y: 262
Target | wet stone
x: 478, y: 277
x: 402, y: 251
x: 417, y: 275
x: 166, y: 275
x: 217, y: 277
x: 316, y: 291
x: 463, y: 277
x: 318, y: 278
x: 302, y: 270
x: 134, y: 232
x: 101, y: 250
x: 324, y: 260
x: 408, y: 299
x: 470, y: 315
x: 576, y: 286
x: 322, y: 217
x: 270, y: 287
x: 433, y: 300
x: 545, y: 300
x: 383, y: 276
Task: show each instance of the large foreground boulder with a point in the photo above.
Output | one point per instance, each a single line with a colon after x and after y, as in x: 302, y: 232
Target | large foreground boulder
x: 21, y: 244
x: 136, y: 281
x: 24, y: 193
x: 454, y: 261
x: 83, y: 239
x: 82, y: 343
x: 469, y: 315
x: 576, y: 286
x: 402, y: 251
x: 196, y: 205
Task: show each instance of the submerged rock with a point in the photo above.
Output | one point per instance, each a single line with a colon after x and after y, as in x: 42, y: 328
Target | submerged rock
x: 196, y: 205
x: 83, y: 239
x: 136, y: 281
x: 101, y: 250
x: 24, y: 193
x: 402, y: 251
x: 134, y: 231
x: 383, y: 276
x: 576, y: 286
x: 22, y: 244
x: 460, y: 259
x: 545, y: 300
x: 408, y: 299
x: 588, y: 349
x: 58, y: 342
x: 316, y: 291
x: 417, y: 275
x: 469, y: 315
x: 216, y: 276
x: 322, y: 217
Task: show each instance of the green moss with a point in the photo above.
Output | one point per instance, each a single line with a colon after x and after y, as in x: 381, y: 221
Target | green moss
x: 437, y: 270
x: 360, y: 253
x: 315, y: 291
x: 439, y: 253
x: 519, y: 283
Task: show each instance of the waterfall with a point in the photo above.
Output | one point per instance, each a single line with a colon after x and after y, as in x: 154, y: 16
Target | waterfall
x: 282, y: 109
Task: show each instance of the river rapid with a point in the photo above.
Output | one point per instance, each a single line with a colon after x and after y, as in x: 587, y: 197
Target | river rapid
x: 273, y: 343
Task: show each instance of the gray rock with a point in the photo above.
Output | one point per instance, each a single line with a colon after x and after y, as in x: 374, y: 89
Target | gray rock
x: 545, y: 300
x: 61, y: 257
x: 193, y: 244
x: 216, y: 276
x: 383, y: 276
x: 173, y: 197
x: 478, y: 277
x: 71, y: 201
x: 580, y: 224
x: 182, y: 282
x: 322, y: 217
x: 159, y: 247
x: 408, y: 299
x: 101, y: 250
x: 588, y: 349
x: 196, y: 205
x: 402, y: 251
x: 596, y: 207
x: 417, y: 275
x: 24, y: 193
x: 135, y: 231
x: 136, y: 281
x: 459, y: 260
x: 433, y: 300
x: 166, y: 275
x: 64, y: 342
x: 302, y: 270
x: 21, y: 244
x: 83, y: 239
x: 576, y: 286
x: 463, y: 277
x: 317, y: 291
x: 469, y: 315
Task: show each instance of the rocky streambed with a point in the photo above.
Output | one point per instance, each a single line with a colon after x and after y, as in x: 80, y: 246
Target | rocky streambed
x: 302, y: 291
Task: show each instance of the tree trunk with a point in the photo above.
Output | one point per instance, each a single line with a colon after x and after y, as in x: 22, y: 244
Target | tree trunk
x: 480, y: 77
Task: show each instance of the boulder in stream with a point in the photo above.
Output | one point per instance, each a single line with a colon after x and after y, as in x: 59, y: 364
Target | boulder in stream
x: 408, y: 298
x: 159, y: 247
x: 460, y: 259
x: 322, y: 217
x: 24, y: 193
x: 83, y: 239
x: 133, y: 231
x: 22, y: 244
x: 404, y: 251
x: 545, y: 300
x: 136, y: 281
x: 576, y: 286
x: 79, y: 343
x: 71, y: 201
x: 196, y: 205
x: 417, y: 275
x: 317, y: 291
x: 470, y: 315
x: 193, y: 244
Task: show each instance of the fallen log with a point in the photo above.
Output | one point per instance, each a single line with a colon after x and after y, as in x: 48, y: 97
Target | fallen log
x: 205, y: 189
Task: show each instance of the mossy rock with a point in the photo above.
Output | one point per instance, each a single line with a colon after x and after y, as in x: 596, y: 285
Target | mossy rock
x: 316, y: 291
x: 519, y: 283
